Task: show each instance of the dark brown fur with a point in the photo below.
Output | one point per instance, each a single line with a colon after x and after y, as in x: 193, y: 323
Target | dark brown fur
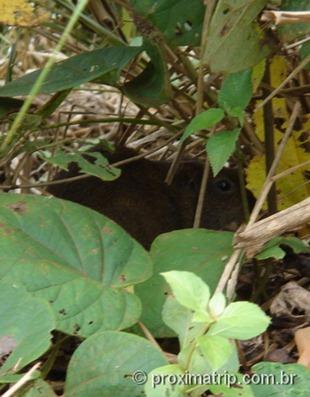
x: 145, y: 206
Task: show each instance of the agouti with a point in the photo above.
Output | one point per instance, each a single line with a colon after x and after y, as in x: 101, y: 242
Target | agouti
x: 145, y: 206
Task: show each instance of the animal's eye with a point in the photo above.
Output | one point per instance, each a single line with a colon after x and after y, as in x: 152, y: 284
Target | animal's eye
x: 224, y: 185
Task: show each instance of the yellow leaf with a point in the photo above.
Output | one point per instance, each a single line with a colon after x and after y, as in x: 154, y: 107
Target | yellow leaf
x: 292, y: 188
x: 21, y: 13
x: 258, y: 74
x: 278, y: 73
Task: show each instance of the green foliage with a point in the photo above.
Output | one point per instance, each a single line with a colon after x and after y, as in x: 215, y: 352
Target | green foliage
x: 273, y: 249
x: 37, y: 388
x: 152, y: 86
x: 230, y: 390
x: 203, y: 252
x: 234, y: 39
x: 211, y: 343
x: 99, y: 168
x: 67, y: 268
x: 304, y: 52
x: 74, y: 258
x: 179, y: 21
x: 157, y: 388
x: 23, y: 320
x: 107, y: 363
x: 240, y: 320
x: 290, y: 380
x: 236, y: 92
x: 220, y: 147
x: 189, y: 290
x: 203, y: 121
x: 215, y: 349
x: 179, y: 319
x: 103, y: 63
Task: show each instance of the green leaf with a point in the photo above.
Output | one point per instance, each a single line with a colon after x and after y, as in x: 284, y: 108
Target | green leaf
x: 233, y: 387
x: 199, y: 365
x: 236, y: 92
x: 189, y: 290
x: 100, y: 168
x: 180, y: 320
x: 238, y: 113
x: 240, y: 320
x: 180, y: 21
x: 217, y: 304
x: 304, y: 52
x: 152, y: 86
x: 235, y: 41
x: 200, y: 251
x: 220, y: 147
x: 202, y: 316
x: 273, y: 250
x: 203, y: 121
x: 37, y: 388
x: 104, y: 63
x: 74, y: 257
x: 13, y: 378
x: 26, y: 323
x: 163, y: 381
x: 109, y: 364
x: 216, y: 349
x: 287, y: 380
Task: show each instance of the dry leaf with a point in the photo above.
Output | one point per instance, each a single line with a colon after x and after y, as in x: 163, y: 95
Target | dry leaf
x: 302, y: 339
x: 292, y: 299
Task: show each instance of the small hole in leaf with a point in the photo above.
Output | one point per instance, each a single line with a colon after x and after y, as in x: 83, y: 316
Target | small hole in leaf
x: 188, y: 26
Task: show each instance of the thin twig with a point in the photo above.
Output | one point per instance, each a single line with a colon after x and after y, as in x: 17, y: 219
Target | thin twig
x: 22, y: 381
x: 290, y: 170
x: 268, y: 182
x: 202, y: 194
x: 285, y: 17
x: 284, y: 82
x: 80, y: 177
x: 229, y: 276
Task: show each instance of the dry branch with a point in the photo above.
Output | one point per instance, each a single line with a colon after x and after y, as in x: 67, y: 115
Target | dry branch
x: 253, y: 238
x: 282, y: 17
